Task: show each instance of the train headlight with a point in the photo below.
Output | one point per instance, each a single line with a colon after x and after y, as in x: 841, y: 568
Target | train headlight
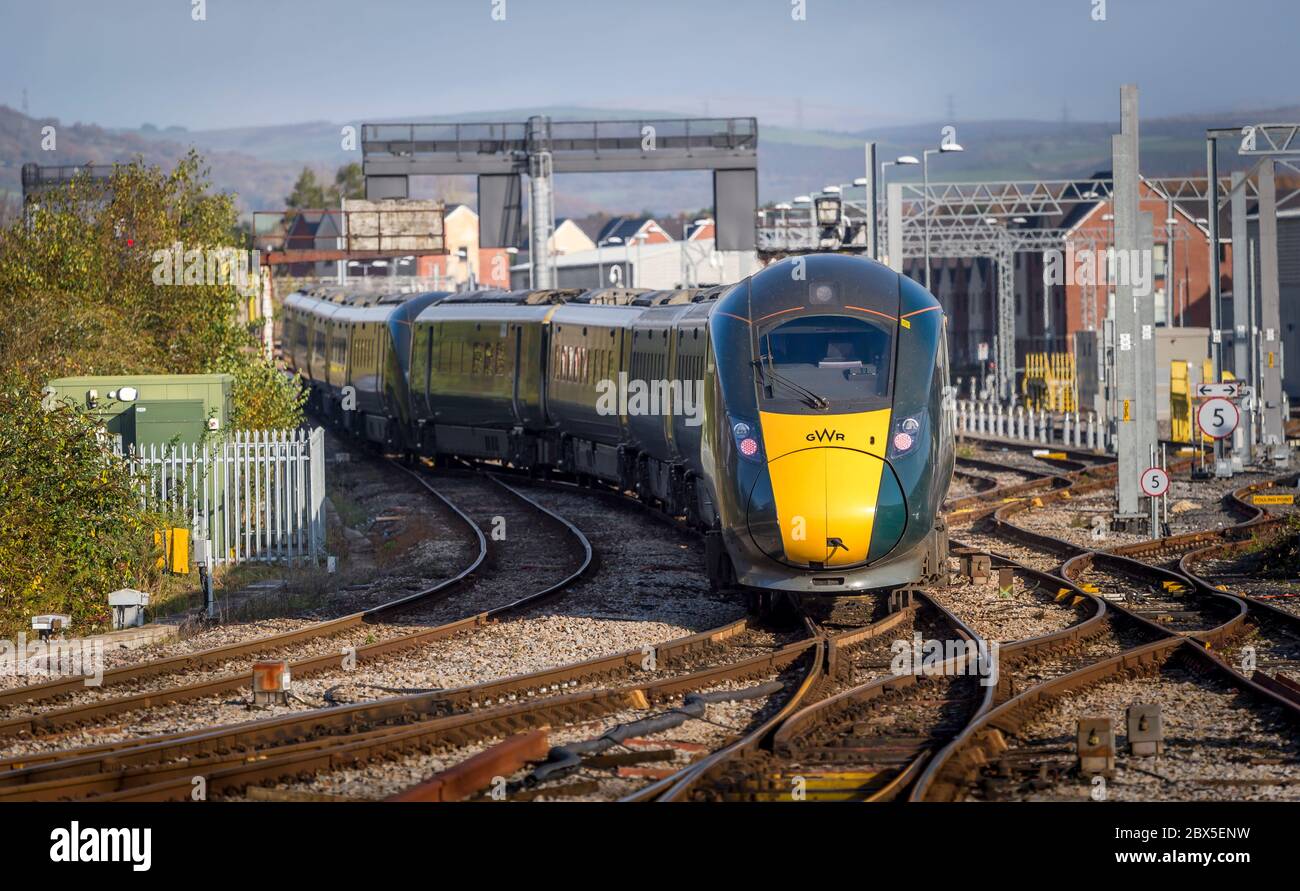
x: 907, y: 433
x: 745, y: 436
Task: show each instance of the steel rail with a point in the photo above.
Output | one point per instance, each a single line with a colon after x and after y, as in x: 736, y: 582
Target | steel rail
x: 59, y: 719
x: 233, y: 771
x: 952, y: 768
x: 252, y: 736
x: 260, y: 645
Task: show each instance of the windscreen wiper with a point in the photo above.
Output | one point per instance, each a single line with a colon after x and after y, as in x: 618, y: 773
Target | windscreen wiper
x: 806, y: 396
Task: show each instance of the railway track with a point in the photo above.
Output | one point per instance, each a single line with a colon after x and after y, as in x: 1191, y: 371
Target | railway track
x: 816, y: 709
x: 482, y: 583
x: 231, y: 758
x: 1023, y: 748
x: 1163, y: 623
x: 223, y: 655
x: 858, y: 743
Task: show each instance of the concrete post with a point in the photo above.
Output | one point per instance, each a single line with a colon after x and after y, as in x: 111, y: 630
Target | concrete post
x: 894, y: 228
x: 1274, y: 423
x: 873, y: 230
x: 1242, y: 296
x: 1129, y: 386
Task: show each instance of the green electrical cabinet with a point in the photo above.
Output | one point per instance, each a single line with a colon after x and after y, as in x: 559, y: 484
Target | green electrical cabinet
x: 151, y: 409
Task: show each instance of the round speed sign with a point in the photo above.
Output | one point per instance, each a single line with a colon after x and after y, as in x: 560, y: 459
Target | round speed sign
x: 1217, y: 418
x: 1155, y: 482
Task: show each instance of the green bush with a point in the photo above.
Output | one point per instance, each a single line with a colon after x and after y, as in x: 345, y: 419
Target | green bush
x: 1278, y: 555
x: 72, y: 528
x: 78, y: 293
x: 79, y: 296
x: 265, y: 398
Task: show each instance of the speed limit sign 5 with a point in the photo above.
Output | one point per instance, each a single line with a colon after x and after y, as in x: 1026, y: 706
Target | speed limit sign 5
x: 1217, y: 418
x: 1155, y: 482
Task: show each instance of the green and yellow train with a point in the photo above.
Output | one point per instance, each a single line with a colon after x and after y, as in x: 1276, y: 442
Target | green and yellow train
x: 801, y: 418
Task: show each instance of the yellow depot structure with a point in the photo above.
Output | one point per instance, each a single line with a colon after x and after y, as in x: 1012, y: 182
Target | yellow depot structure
x: 1050, y: 382
x: 1182, y: 403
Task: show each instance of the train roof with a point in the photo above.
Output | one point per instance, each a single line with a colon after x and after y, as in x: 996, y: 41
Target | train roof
x: 530, y: 298
x: 612, y: 296
x: 340, y: 303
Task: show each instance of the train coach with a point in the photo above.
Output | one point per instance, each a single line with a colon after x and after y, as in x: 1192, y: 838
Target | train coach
x: 353, y: 352
x: 801, y: 418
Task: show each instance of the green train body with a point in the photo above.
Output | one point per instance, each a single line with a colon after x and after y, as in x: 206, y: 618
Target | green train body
x: 703, y: 402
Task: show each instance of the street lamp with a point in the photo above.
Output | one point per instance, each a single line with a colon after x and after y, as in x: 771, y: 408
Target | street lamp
x: 925, y: 175
x: 901, y: 160
x: 600, y: 266
x: 633, y: 271
x: 1171, y: 227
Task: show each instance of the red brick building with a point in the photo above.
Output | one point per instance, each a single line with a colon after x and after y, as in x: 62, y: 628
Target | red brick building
x: 1048, y: 315
x: 1180, y: 264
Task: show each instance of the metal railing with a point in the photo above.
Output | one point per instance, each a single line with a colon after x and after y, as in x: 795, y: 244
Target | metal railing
x: 1069, y: 429
x: 501, y: 138
x: 256, y: 496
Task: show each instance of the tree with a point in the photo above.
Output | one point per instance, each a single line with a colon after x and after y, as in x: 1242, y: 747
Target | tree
x: 349, y: 182
x: 79, y: 289
x: 72, y: 527
x: 80, y: 293
x: 308, y: 193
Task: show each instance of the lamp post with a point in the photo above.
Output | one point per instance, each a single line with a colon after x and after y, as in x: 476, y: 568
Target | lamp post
x: 925, y: 205
x: 903, y: 161
x: 635, y: 272
x: 600, y: 266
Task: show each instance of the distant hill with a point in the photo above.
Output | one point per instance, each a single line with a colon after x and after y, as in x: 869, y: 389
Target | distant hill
x: 260, y: 164
x: 257, y: 182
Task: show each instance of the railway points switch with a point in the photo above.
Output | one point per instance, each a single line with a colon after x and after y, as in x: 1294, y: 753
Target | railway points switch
x: 271, y: 682
x: 977, y: 567
x: 128, y: 607
x: 1146, y: 734
x: 1096, y: 745
x: 50, y: 624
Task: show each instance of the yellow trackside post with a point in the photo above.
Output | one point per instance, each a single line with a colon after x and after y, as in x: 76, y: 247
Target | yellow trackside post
x: 1180, y: 401
x: 175, y: 544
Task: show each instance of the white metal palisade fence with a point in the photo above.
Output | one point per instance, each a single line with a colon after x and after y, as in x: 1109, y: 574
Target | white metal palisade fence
x: 255, y: 495
x: 1072, y: 429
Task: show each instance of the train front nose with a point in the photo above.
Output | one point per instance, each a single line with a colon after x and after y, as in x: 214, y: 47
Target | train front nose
x: 827, y: 500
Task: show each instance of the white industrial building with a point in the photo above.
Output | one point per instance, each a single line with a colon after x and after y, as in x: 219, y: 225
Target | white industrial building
x: 655, y: 266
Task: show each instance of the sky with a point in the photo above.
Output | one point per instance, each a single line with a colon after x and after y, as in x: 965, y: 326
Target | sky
x: 846, y: 65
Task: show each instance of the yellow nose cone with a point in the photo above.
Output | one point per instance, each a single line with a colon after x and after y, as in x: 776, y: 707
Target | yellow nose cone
x: 825, y: 483
x: 826, y: 504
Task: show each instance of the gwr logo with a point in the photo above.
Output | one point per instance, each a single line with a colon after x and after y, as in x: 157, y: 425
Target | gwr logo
x: 824, y: 435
